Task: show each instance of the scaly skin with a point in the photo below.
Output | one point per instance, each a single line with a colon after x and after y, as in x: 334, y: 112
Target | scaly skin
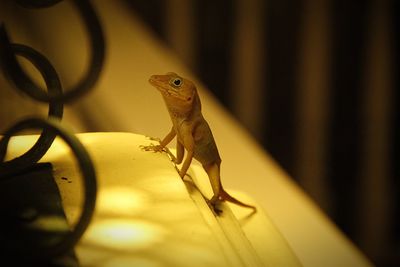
x: 192, y: 132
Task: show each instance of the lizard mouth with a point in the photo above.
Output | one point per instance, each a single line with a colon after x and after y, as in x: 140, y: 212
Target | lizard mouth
x: 160, y: 85
x: 153, y: 81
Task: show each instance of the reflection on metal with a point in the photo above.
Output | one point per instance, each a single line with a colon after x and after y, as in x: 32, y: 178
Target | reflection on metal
x: 128, y: 200
x: 125, y: 234
x: 55, y: 97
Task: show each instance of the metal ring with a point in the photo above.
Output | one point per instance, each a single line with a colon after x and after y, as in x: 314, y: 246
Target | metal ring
x: 25, y: 84
x: 89, y: 178
x: 47, y: 137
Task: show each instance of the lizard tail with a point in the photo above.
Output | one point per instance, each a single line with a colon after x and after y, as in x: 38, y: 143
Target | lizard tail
x: 225, y: 196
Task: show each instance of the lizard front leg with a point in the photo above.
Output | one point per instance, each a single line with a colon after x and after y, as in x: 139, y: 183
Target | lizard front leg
x: 180, y: 152
x: 189, y: 145
x: 159, y: 148
x: 167, y: 139
x: 186, y: 164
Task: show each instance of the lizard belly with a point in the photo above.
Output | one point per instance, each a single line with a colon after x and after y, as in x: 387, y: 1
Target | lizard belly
x: 205, y: 149
x: 206, y: 152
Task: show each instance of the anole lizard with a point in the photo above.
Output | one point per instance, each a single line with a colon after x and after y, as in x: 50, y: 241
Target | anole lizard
x: 192, y: 131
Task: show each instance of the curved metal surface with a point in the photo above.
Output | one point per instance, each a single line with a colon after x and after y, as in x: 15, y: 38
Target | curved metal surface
x: 89, y: 181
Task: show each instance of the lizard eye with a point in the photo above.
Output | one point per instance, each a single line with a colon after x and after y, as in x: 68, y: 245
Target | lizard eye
x: 176, y: 82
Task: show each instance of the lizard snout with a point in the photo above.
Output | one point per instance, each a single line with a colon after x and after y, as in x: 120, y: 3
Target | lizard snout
x: 154, y: 80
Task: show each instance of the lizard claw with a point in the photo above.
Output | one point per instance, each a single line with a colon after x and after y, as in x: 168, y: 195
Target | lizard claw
x: 152, y: 147
x: 160, y: 148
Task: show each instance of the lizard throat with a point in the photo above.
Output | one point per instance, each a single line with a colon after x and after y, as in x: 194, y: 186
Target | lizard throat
x: 182, y: 111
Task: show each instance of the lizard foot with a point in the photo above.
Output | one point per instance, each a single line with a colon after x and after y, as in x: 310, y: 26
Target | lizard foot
x: 159, y: 148
x: 152, y: 147
x: 214, y: 203
x: 217, y: 210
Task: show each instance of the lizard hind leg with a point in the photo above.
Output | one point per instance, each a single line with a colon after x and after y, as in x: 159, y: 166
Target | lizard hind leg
x: 213, y: 173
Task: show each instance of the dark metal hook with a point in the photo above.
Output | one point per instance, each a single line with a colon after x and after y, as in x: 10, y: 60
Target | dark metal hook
x: 47, y: 137
x: 52, y: 127
x: 89, y: 181
x: 24, y: 83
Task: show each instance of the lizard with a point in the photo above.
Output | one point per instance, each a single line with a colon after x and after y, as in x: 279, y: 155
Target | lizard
x: 192, y: 131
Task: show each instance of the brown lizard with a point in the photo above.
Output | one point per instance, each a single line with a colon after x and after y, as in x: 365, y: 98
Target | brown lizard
x: 192, y: 131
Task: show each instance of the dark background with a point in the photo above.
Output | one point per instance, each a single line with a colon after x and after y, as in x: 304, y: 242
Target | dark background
x: 326, y: 79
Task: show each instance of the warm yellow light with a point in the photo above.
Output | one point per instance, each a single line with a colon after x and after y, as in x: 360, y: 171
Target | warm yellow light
x: 125, y: 234
x: 121, y: 201
x: 132, y: 261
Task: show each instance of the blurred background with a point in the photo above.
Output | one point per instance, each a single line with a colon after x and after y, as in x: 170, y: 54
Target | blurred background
x: 314, y: 81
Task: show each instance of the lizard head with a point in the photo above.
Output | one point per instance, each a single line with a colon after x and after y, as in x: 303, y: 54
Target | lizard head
x: 177, y: 91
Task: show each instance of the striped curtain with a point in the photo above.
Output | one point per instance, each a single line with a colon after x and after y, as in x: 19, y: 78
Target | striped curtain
x: 314, y: 81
